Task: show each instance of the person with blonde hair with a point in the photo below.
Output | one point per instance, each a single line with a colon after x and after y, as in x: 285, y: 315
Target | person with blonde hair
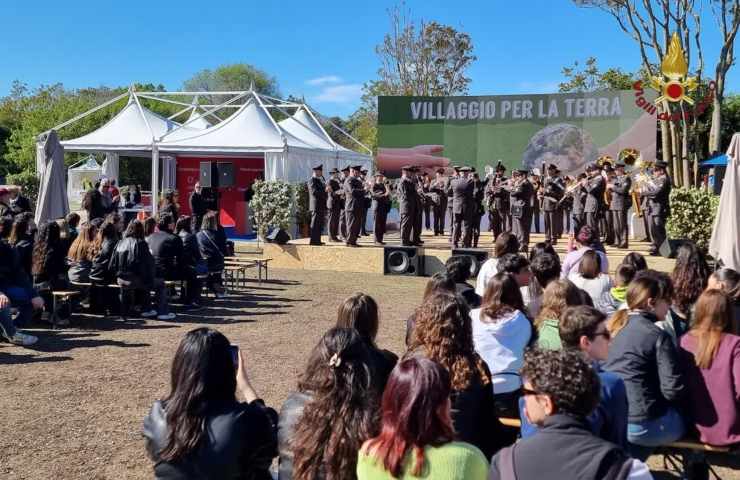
x: 559, y: 295
x: 644, y: 356
x: 81, y: 254
x: 711, y: 362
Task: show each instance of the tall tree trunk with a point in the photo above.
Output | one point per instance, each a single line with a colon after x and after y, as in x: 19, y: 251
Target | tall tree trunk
x: 676, y: 154
x: 715, y: 129
x: 685, y: 152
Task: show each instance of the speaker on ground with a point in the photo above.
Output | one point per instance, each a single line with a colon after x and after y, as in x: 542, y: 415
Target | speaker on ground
x: 278, y: 236
x: 477, y: 258
x: 402, y: 261
x: 669, y: 247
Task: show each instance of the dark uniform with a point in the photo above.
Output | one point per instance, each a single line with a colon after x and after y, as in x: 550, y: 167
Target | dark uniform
x: 479, y: 191
x: 553, y: 189
x: 406, y: 192
x: 658, y: 208
x: 198, y: 208
x: 448, y: 191
x: 419, y: 212
x: 317, y: 196
x: 620, y: 203
x: 462, y: 209
x: 426, y: 188
x: 645, y: 217
x: 366, y: 205
x: 536, y: 204
x: 521, y: 194
x: 381, y: 206
x: 354, y: 196
x: 579, y: 202
x: 334, y: 205
x: 497, y: 199
x: 438, y: 197
x: 343, y: 203
x: 594, y: 201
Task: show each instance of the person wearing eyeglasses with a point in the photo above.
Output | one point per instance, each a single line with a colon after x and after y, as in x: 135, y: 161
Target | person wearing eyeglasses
x: 561, y: 390
x: 583, y: 329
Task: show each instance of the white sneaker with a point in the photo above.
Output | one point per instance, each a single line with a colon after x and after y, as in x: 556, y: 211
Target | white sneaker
x: 23, y: 339
x: 149, y: 314
x: 166, y: 316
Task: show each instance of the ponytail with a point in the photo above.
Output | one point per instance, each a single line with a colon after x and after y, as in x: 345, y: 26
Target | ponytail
x: 617, y: 322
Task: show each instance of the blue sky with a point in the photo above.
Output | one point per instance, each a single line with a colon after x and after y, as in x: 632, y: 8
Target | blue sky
x: 323, y: 50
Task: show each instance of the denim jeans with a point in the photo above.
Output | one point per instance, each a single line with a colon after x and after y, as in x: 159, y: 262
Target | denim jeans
x: 654, y: 433
x: 7, y: 329
x: 20, y: 298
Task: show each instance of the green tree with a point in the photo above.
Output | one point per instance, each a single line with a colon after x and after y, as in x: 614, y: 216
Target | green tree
x: 730, y: 119
x: 589, y: 78
x: 233, y: 77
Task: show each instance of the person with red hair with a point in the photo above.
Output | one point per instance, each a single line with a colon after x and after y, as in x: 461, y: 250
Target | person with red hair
x: 416, y: 433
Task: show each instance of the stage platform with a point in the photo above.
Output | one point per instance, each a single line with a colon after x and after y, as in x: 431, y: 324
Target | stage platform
x: 368, y: 258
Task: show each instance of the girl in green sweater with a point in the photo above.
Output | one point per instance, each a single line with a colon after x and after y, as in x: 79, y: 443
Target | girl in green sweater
x: 416, y: 437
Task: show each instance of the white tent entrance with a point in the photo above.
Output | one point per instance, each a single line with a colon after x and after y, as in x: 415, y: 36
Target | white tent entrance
x: 249, y: 138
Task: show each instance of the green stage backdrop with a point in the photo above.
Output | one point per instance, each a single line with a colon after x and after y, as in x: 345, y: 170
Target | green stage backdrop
x: 520, y: 130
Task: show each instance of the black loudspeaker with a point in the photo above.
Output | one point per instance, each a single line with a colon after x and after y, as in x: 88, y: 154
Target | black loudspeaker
x: 225, y: 174
x: 669, y: 247
x: 403, y: 261
x: 278, y: 236
x: 477, y: 258
x: 206, y: 179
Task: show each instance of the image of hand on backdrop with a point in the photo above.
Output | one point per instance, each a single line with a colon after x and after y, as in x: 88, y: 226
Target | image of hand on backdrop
x: 390, y: 160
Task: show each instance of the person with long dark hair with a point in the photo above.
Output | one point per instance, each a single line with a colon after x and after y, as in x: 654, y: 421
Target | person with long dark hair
x: 689, y: 278
x: 505, y: 243
x: 501, y: 331
x: 169, y: 204
x: 439, y: 282
x: 360, y: 312
x: 324, y: 424
x: 211, y: 251
x: 417, y: 438
x: 22, y: 239
x: 728, y: 281
x: 49, y: 268
x: 192, y: 264
x: 635, y: 260
x: 102, y: 297
x: 711, y: 362
x: 200, y: 430
x: 443, y: 333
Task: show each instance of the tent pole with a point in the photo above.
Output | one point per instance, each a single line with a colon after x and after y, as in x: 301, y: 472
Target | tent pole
x: 208, y: 112
x: 155, y: 178
x: 84, y: 114
x: 141, y: 111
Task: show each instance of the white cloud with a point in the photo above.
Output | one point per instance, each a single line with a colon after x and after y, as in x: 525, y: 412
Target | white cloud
x: 346, y: 93
x: 324, y: 80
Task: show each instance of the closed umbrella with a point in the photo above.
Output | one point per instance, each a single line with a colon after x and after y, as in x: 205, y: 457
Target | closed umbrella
x: 725, y: 242
x: 52, y: 202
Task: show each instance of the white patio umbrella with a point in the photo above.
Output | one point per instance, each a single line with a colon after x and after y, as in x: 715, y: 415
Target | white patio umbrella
x: 725, y: 242
x: 52, y: 202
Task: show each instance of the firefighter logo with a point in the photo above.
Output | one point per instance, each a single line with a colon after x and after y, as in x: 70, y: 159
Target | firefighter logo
x: 674, y: 84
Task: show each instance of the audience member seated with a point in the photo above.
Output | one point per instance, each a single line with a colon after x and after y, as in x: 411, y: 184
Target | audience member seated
x: 7, y: 327
x: 81, y: 254
x: 166, y: 249
x: 192, y: 263
x: 200, y: 430
x: 560, y: 391
x: 169, y: 204
x: 18, y: 202
x: 360, y: 312
x: 539, y: 248
x: 584, y: 329
x: 588, y: 277
x: 459, y: 267
x: 417, y: 439
x: 517, y: 266
x: 635, y: 260
x: 615, y: 299
x: 211, y: 252
x: 545, y: 268
x: 505, y: 243
x: 324, y: 423
x: 644, y: 356
x: 728, y: 281
x: 102, y: 297
x: 5, y: 210
x: 22, y: 237
x: 70, y: 233
x: 559, y: 295
x: 17, y: 286
x: 711, y: 362
x: 439, y: 282
x: 443, y: 334
x: 49, y: 267
x: 586, y: 240
x: 689, y: 278
x: 133, y: 265
x: 501, y: 331
x: 150, y: 226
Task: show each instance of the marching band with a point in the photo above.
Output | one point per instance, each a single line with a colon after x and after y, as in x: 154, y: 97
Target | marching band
x: 600, y: 198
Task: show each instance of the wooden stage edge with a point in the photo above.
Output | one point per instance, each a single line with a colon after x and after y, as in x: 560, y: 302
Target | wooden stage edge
x: 368, y: 258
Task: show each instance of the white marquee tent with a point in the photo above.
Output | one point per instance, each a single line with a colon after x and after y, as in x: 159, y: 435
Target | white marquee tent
x: 291, y: 147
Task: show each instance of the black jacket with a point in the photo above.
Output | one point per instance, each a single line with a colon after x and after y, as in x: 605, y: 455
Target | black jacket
x: 467, y: 291
x: 100, y: 272
x: 198, y: 205
x: 93, y: 203
x: 54, y: 267
x: 131, y: 261
x: 191, y: 256
x: 239, y: 442
x: 24, y: 250
x: 79, y: 271
x: 167, y: 251
x: 210, y: 251
x: 12, y: 273
x: 564, y: 448
x: 20, y: 204
x: 290, y: 413
x: 644, y: 357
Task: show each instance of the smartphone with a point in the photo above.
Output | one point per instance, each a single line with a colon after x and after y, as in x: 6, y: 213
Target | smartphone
x: 234, y: 351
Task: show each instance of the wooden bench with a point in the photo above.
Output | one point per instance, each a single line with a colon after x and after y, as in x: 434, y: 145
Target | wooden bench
x: 235, y: 274
x: 260, y: 263
x: 63, y: 296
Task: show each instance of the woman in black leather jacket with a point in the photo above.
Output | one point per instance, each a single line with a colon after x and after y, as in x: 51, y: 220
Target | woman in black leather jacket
x: 210, y: 249
x: 200, y: 430
x: 101, y: 296
x: 192, y: 262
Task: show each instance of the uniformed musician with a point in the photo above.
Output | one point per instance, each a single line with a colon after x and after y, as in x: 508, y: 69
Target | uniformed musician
x: 536, y: 201
x: 497, y: 200
x: 438, y: 196
x: 406, y: 193
x: 334, y: 204
x: 381, y: 195
x: 621, y: 200
x: 657, y: 192
x: 594, y: 186
x: 479, y: 189
x: 354, y: 195
x: 521, y: 191
x: 552, y: 192
x: 419, y: 211
x: 462, y: 202
x: 448, y: 188
x: 343, y: 202
x: 317, y: 196
x: 608, y: 219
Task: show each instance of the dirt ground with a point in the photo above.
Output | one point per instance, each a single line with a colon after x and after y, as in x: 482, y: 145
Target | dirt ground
x: 72, y: 406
